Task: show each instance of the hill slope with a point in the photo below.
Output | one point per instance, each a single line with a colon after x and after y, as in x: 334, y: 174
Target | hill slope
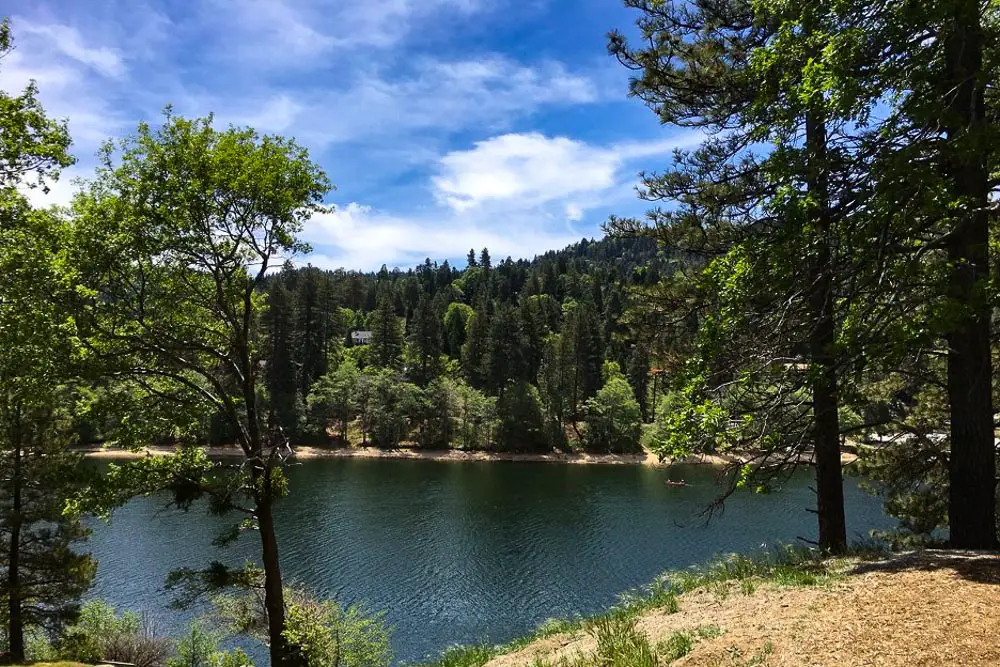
x: 928, y: 608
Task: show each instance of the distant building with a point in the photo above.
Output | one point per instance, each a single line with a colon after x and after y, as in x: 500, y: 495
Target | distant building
x: 361, y: 337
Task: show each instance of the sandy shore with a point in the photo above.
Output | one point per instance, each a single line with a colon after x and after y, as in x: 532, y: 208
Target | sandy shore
x: 306, y: 453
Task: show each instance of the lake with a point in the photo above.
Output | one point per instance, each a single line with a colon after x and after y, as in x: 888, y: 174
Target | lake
x: 466, y: 552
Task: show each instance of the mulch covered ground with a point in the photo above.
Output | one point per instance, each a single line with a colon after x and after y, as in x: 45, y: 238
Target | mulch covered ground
x: 931, y: 608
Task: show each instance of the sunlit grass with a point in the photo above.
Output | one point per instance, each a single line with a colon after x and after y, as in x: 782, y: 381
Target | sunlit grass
x: 785, y: 567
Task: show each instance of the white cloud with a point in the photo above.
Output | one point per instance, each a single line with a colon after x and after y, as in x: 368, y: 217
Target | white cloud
x: 517, y: 194
x: 60, y: 192
x: 281, y: 32
x: 275, y: 115
x: 359, y: 237
x: 66, y: 92
x: 489, y: 92
x: 67, y: 41
x: 528, y: 170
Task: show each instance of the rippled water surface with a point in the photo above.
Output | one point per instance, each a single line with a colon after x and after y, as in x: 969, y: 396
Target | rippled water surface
x: 465, y: 552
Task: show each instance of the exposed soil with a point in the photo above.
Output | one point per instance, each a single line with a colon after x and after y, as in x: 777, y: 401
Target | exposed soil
x: 931, y: 608
x: 304, y: 452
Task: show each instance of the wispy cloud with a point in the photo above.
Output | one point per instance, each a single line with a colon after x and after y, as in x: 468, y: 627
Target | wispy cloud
x: 67, y: 41
x: 528, y: 170
x: 359, y: 237
x: 67, y: 78
x: 444, y: 135
x: 281, y: 33
x: 437, y: 95
x: 518, y: 194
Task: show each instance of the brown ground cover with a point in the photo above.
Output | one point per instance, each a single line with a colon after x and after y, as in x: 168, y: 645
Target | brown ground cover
x: 931, y: 608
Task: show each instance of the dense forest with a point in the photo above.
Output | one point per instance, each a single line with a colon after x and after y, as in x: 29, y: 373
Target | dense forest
x: 819, y: 272
x: 516, y: 356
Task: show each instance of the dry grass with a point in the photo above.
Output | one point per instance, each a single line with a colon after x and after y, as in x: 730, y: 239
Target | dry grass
x: 932, y: 608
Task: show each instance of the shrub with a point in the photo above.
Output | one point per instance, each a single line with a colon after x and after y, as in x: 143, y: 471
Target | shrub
x: 620, y: 643
x: 614, y: 420
x: 101, y: 633
x: 325, y: 635
x: 200, y: 648
x: 319, y: 633
x: 521, y: 423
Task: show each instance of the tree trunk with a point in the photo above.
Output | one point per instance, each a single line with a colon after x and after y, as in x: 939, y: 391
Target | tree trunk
x: 274, y: 594
x: 15, y: 622
x: 972, y: 495
x: 823, y: 370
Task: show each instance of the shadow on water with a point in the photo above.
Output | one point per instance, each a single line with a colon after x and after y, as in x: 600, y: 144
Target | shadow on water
x: 465, y: 552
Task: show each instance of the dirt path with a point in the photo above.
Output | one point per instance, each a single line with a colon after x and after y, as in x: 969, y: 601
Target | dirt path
x: 931, y: 609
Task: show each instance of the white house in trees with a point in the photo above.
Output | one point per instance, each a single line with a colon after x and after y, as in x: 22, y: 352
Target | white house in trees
x: 361, y: 337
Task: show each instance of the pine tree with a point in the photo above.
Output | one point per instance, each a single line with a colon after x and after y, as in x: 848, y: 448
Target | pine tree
x: 476, y: 349
x: 425, y: 343
x: 281, y: 374
x: 505, y: 357
x: 45, y: 576
x: 763, y: 217
x: 456, y: 323
x: 41, y: 576
x: 387, y: 332
x: 311, y: 323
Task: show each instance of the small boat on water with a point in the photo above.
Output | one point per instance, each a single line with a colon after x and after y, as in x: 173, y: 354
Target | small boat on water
x: 671, y: 482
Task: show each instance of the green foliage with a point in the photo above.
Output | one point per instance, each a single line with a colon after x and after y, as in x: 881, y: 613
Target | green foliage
x: 478, y: 420
x: 392, y: 402
x: 322, y: 634
x: 676, y: 646
x: 101, y: 633
x: 33, y: 147
x: 621, y: 644
x: 438, y: 412
x: 199, y: 647
x: 387, y: 333
x: 41, y: 359
x: 333, y: 399
x: 464, y: 656
x: 425, y: 343
x: 521, y: 426
x: 317, y: 632
x: 614, y: 420
x: 456, y: 322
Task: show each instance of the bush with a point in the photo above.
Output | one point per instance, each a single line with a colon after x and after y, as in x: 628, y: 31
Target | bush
x: 200, y: 648
x: 319, y: 633
x: 621, y: 644
x: 102, y: 634
x: 325, y: 635
x: 614, y: 420
x: 521, y: 423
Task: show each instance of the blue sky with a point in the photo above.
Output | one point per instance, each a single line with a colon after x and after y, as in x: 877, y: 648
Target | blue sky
x: 445, y: 124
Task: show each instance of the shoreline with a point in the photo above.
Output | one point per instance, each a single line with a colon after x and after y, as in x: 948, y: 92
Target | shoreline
x: 306, y: 453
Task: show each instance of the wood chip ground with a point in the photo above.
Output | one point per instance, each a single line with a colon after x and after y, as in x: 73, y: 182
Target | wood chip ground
x: 931, y: 608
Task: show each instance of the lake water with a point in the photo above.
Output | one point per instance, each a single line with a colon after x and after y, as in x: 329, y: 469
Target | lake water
x: 466, y: 552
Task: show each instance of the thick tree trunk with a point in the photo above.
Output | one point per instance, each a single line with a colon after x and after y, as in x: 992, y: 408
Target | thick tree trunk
x: 15, y: 622
x: 972, y: 496
x: 274, y: 594
x: 823, y: 370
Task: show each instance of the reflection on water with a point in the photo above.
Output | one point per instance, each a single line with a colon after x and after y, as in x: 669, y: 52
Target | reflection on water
x: 465, y: 552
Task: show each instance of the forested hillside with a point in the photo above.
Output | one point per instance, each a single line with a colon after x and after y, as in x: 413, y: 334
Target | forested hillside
x: 512, y: 356
x: 818, y: 272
